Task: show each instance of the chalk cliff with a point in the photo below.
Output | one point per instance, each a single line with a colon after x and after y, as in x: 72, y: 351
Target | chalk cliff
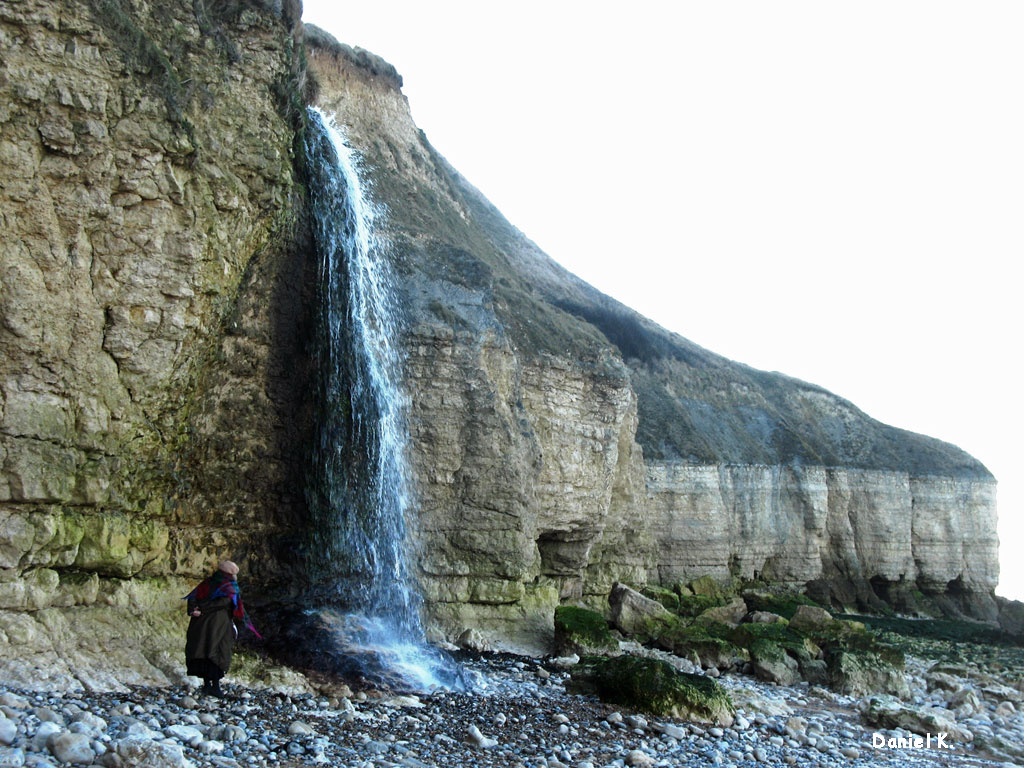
x: 561, y: 441
x: 156, y: 302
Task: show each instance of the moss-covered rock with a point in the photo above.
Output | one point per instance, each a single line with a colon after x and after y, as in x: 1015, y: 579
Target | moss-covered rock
x: 668, y: 598
x: 707, y: 641
x: 730, y: 613
x: 582, y: 631
x: 887, y: 712
x: 861, y: 674
x: 681, y: 589
x: 847, y: 635
x: 765, y: 617
x: 784, y: 604
x: 708, y: 587
x: 638, y: 616
x: 771, y: 663
x: 810, y: 619
x: 654, y: 686
x: 800, y: 647
x: 691, y: 606
x: 255, y: 670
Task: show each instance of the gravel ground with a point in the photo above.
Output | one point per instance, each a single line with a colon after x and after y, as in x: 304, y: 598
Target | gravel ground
x: 519, y: 715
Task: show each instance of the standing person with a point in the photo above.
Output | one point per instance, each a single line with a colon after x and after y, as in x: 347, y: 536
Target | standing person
x: 213, y: 607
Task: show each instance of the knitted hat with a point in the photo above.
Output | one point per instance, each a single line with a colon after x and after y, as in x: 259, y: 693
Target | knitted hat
x: 228, y: 567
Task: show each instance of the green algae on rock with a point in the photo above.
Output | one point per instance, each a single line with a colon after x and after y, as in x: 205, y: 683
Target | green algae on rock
x: 668, y: 598
x: 708, y: 641
x: 785, y: 604
x: 656, y: 687
x: 582, y: 631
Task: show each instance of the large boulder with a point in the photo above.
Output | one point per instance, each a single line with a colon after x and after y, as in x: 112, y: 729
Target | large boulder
x: 765, y: 617
x: 799, y: 647
x: 139, y: 752
x: 710, y: 650
x: 772, y: 664
x: 811, y: 620
x: 814, y: 671
x: 941, y: 681
x: 666, y: 597
x: 638, y: 616
x: 863, y: 674
x: 654, y: 686
x: 731, y: 613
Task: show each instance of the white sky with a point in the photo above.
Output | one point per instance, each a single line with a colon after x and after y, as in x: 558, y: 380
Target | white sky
x: 831, y: 190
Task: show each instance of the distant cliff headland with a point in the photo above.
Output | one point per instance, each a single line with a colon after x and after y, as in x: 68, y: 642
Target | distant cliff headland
x: 158, y: 294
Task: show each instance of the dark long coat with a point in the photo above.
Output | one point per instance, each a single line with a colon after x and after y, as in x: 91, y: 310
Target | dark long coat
x: 210, y: 639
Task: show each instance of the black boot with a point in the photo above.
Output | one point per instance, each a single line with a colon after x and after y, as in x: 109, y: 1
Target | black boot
x: 215, y: 689
x: 207, y: 686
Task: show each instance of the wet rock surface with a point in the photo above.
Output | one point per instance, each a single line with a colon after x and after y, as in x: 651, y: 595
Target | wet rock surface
x: 519, y: 714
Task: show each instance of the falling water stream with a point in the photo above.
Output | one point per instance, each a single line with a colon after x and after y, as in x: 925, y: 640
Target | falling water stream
x: 359, y: 486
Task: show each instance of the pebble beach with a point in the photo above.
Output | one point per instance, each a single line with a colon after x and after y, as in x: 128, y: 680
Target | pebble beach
x: 519, y: 714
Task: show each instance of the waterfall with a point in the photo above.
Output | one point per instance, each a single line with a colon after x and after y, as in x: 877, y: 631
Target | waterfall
x: 358, y: 488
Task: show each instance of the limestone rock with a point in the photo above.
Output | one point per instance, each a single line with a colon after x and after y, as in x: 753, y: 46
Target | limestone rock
x: 562, y: 443
x: 764, y: 617
x: 156, y: 302
x: 8, y: 731
x: 966, y: 703
x: 145, y: 753
x: 810, y: 619
x: 814, y: 671
x: 862, y: 675
x: 773, y: 664
x: 705, y: 650
x: 74, y: 748
x: 732, y: 613
x: 147, y: 281
x: 473, y: 640
x: 888, y: 712
x: 706, y: 586
x: 477, y: 738
x: 580, y: 631
x: 652, y: 685
x: 636, y: 615
x: 941, y: 681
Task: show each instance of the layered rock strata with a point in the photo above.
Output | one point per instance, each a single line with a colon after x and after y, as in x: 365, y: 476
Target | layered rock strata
x: 561, y: 442
x: 150, y: 382
x: 156, y: 294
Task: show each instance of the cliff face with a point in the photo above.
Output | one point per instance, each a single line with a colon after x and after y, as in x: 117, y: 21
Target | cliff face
x: 150, y: 380
x: 156, y: 300
x: 561, y: 441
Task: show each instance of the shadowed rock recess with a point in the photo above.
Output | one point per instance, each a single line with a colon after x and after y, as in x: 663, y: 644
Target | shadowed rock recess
x: 157, y: 287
